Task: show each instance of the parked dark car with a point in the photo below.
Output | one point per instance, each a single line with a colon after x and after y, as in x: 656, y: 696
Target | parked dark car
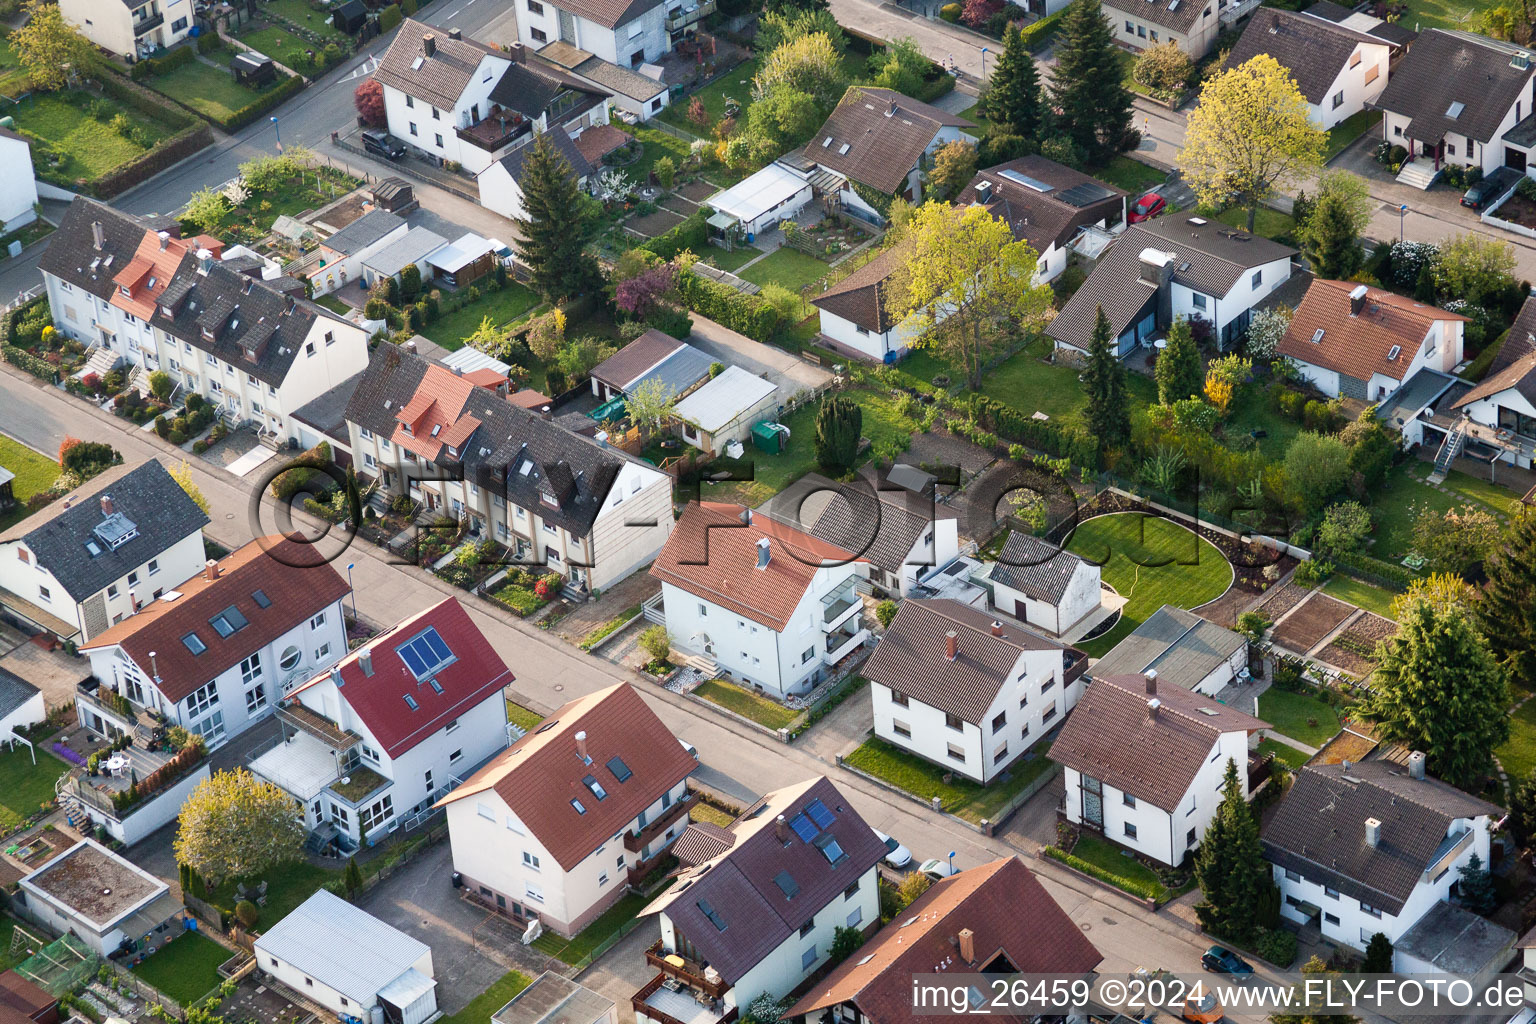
x: 384, y: 144
x: 1224, y: 961
x: 1145, y: 208
x: 1491, y: 188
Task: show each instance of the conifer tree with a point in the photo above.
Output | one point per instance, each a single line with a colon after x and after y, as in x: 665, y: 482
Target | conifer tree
x: 1179, y: 372
x: 1330, y: 241
x: 1109, y: 415
x: 839, y: 422
x: 559, y: 220
x: 1013, y: 95
x: 1087, y: 83
x: 1505, y: 613
x: 1230, y: 867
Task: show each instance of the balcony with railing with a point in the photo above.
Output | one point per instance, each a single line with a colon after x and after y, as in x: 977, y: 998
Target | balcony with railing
x: 689, y: 14
x: 310, y: 755
x: 496, y: 130
x: 690, y: 972
x: 841, y: 642
x: 634, y: 842
x: 666, y: 1000
x: 838, y: 605
x: 147, y: 24
x: 122, y: 713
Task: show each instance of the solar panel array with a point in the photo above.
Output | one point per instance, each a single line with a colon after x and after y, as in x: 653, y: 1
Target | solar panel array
x: 425, y: 653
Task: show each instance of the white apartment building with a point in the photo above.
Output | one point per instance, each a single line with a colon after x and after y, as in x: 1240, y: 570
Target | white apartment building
x: 94, y: 557
x: 1144, y: 763
x: 559, y: 501
x: 1339, y: 69
x: 772, y: 606
x: 1367, y: 847
x: 216, y: 654
x: 959, y: 688
x: 554, y: 830
x: 131, y: 29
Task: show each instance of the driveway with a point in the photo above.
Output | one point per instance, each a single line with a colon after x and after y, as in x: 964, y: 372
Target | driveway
x: 788, y: 371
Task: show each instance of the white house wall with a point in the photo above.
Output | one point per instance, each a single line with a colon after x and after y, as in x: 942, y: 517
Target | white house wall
x: 1351, y: 88
x: 927, y: 555
x: 646, y: 34
x: 1133, y: 31
x: 1244, y: 295
x: 1082, y: 596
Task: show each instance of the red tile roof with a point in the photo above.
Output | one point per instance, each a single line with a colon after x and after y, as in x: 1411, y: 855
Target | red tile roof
x: 540, y: 774
x: 1008, y: 912
x: 150, y: 270
x: 435, y: 417
x: 295, y: 578
x: 527, y: 398
x: 713, y: 555
x: 1358, y: 346
x: 476, y: 674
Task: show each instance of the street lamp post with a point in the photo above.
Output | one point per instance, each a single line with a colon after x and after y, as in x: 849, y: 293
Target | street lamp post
x: 951, y: 861
x: 278, y: 132
x: 1402, y: 212
x: 983, y: 63
x: 352, y: 591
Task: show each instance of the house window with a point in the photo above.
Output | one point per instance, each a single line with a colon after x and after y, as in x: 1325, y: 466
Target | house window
x: 1154, y: 35
x: 1257, y: 279
x: 530, y: 861
x: 438, y: 136
x: 1001, y: 753
x: 1127, y: 799
x: 1200, y: 300
x: 1338, y: 99
x: 1189, y: 838
x: 1141, y: 30
x: 655, y: 105
x: 953, y: 722
x: 1330, y: 892
x: 436, y: 115
x: 899, y: 699
x: 372, y: 817
x: 1130, y: 29
x: 455, y: 757
x: 410, y: 101
x: 1354, y: 59
x: 111, y: 590
x: 413, y: 127
x: 1048, y: 684
x: 1049, y: 714
x: 1000, y: 721
x: 602, y: 878
x: 539, y: 35
x: 202, y: 699
x: 1370, y: 911
x: 1372, y: 73
x: 808, y: 927
x: 133, y: 579
x: 534, y: 7
x: 1292, y: 876
x: 901, y: 729
x: 1130, y: 831
x: 956, y: 754
x: 535, y: 893
x: 154, y: 566
x: 317, y: 621
x: 250, y: 668
x: 1331, y: 918
x: 808, y: 958
x: 810, y: 652
x: 852, y: 891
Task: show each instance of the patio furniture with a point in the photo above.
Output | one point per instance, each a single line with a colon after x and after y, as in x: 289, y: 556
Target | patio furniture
x: 117, y: 764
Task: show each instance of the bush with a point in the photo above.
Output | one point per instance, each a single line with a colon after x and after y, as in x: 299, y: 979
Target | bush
x: 1037, y: 34
x: 152, y: 67
x: 304, y: 473
x: 408, y: 7
x: 747, y: 314
x: 1048, y: 436
x: 1313, y: 572
x: 88, y: 458
x: 885, y: 611
x: 246, y: 913
x: 670, y: 320
x: 655, y: 642
x: 692, y: 234
x: 389, y: 18
x: 1375, y: 570
x: 950, y: 13
x: 1093, y: 870
x: 1278, y: 946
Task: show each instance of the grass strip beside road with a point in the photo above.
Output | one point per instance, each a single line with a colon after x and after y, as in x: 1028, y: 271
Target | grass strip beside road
x: 959, y: 796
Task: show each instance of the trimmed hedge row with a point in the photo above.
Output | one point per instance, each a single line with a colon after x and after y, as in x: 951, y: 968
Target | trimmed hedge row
x: 263, y: 103
x: 193, y: 137
x: 1048, y: 436
x: 1040, y: 32
x: 691, y: 234
x: 1374, y: 570
x: 389, y: 17
x: 150, y: 67
x: 1124, y: 884
x: 746, y: 314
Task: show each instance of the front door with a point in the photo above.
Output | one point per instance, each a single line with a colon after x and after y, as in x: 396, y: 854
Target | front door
x: 567, y: 27
x: 1514, y: 158
x: 1093, y: 802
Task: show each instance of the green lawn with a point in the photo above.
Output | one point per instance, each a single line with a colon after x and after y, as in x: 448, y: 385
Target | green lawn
x: 34, y: 471
x: 1393, y: 505
x: 77, y: 125
x: 746, y: 703
x: 1294, y: 715
x: 313, y: 188
x: 1348, y: 130
x: 1266, y: 222
x: 333, y: 304
x: 186, y: 969
x: 25, y: 786
x: 501, y: 306
x: 884, y: 425
x: 1151, y: 562
x: 730, y: 261
x: 593, y: 935
x: 1108, y: 857
x: 974, y: 113
x: 961, y: 797
x: 1132, y: 176
x: 789, y: 267
x: 1423, y: 14
x: 1253, y: 412
x: 1029, y: 383
x: 13, y: 80
x: 654, y: 144
x: 1518, y: 753
x: 288, y: 885
x: 301, y: 13
x: 735, y: 84
x: 1284, y: 752
x: 210, y: 91
x: 1372, y: 599
x: 480, y: 1008
x: 281, y: 45
x: 525, y: 718
x: 1496, y: 496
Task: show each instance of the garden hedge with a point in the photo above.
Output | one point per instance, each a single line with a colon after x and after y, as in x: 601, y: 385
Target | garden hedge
x: 1037, y: 34
x: 389, y: 17
x: 691, y: 234
x: 151, y: 67
x: 751, y: 315
x: 1374, y: 570
x: 1046, y: 435
x: 263, y: 103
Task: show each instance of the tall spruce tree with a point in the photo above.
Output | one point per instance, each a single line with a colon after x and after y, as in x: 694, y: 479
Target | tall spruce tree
x: 1329, y: 239
x: 1229, y: 865
x: 1109, y: 414
x: 1013, y: 95
x: 839, y: 422
x: 559, y: 221
x: 1179, y: 372
x: 1378, y: 955
x: 1086, y: 85
x: 1505, y: 612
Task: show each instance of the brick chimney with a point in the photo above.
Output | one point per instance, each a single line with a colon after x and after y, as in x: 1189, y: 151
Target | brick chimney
x: 967, y: 945
x: 133, y: 599
x: 429, y: 45
x: 211, y: 570
x: 1153, y: 707
x: 1151, y: 677
x: 106, y: 504
x: 951, y: 645
x: 997, y: 628
x: 581, y: 747
x: 1372, y: 832
x: 365, y: 659
x: 781, y: 829
x: 98, y: 237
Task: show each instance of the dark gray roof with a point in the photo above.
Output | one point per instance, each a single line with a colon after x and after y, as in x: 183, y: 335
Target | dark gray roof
x: 363, y: 232
x: 72, y: 255
x: 327, y: 413
x: 1456, y: 941
x: 14, y: 692
x: 1515, y: 365
x: 507, y: 440
x: 1050, y: 216
x: 439, y: 79
x: 1181, y: 646
x: 412, y: 247
x: 513, y: 161
x: 1312, y: 48
x: 1034, y: 568
x: 1447, y: 68
x: 883, y: 526
x: 1178, y: 16
x: 878, y: 136
x: 1209, y: 257
x: 679, y: 371
x: 1319, y: 828
x: 530, y: 85
x: 144, y: 496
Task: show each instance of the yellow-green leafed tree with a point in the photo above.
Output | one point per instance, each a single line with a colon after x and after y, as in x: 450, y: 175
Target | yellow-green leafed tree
x: 50, y: 48
x: 235, y: 825
x: 1249, y: 136
x: 966, y: 283
x: 810, y: 64
x: 182, y: 474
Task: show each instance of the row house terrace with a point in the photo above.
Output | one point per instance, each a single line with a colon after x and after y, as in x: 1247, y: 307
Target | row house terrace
x: 374, y: 741
x: 551, y: 496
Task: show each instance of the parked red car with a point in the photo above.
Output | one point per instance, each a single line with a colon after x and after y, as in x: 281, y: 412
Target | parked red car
x: 1145, y: 208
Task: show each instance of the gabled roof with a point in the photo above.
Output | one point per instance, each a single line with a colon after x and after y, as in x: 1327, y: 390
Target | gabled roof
x: 884, y: 531
x: 363, y: 232
x: 1319, y: 828
x: 739, y: 906
x: 609, y: 13
x: 1178, y: 16
x: 64, y: 537
x: 151, y: 269
x: 343, y: 947
x: 1515, y: 365
x: 1039, y: 570
x: 1312, y: 49
x: 1448, y: 71
x: 1180, y: 646
x: 441, y: 694
x: 631, y: 757
x: 1044, y: 202
x: 441, y: 78
x: 1113, y: 736
x: 1207, y: 256
x: 912, y: 657
x: 713, y: 554
x: 863, y: 297
x: 876, y: 136
x: 14, y: 692
x: 293, y: 579
x: 72, y: 254
x: 1008, y: 913
x: 631, y: 362
x: 1323, y: 333
x: 435, y: 418
x: 514, y: 161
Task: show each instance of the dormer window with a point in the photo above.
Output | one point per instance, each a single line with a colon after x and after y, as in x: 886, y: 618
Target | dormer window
x: 124, y: 291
